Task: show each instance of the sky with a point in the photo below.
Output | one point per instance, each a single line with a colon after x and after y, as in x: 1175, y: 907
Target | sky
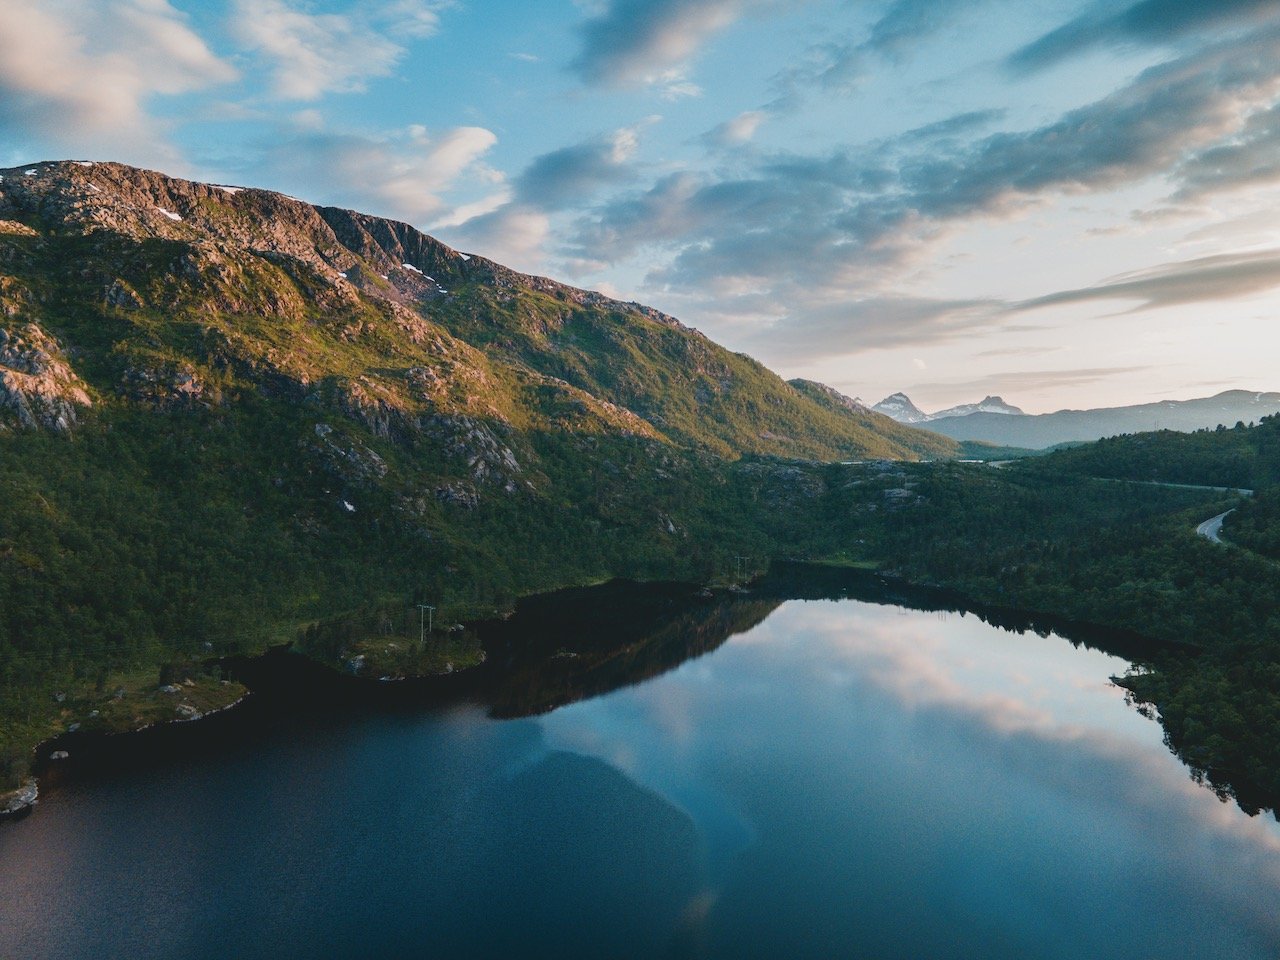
x: 1068, y: 203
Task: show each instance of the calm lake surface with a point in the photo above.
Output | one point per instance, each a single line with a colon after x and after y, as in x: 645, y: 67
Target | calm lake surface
x: 730, y: 778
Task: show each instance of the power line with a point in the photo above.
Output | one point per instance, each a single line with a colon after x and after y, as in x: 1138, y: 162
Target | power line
x: 431, y: 611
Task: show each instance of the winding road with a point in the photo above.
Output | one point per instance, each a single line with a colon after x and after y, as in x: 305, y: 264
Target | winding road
x: 1211, y: 529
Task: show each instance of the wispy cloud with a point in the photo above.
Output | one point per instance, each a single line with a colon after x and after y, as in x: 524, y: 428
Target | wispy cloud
x: 1248, y: 160
x: 737, y: 130
x: 1028, y: 351
x: 77, y: 76
x: 404, y: 174
x: 561, y: 179
x: 571, y: 175
x: 838, y: 329
x: 310, y: 54
x: 1014, y: 382
x: 839, y: 66
x: 1147, y: 22
x: 644, y: 41
x: 816, y: 245
x: 1222, y: 277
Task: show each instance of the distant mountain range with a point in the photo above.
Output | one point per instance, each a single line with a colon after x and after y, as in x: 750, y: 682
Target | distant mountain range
x: 994, y: 421
x: 899, y: 407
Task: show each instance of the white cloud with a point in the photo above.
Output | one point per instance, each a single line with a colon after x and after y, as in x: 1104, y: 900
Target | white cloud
x: 737, y: 131
x: 648, y: 41
x: 674, y: 85
x: 405, y: 175
x: 514, y: 235
x: 311, y: 54
x: 75, y: 75
x: 515, y: 228
x: 476, y: 208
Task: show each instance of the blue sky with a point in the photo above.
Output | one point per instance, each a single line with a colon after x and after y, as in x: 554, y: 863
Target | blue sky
x: 1068, y: 203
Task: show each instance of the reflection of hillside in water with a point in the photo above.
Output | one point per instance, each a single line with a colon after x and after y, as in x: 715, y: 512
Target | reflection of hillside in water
x: 580, y: 643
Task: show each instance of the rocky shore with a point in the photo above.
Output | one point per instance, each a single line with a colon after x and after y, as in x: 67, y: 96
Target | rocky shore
x: 17, y: 802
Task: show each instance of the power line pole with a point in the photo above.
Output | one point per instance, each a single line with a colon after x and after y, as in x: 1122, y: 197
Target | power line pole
x: 425, y: 609
x: 738, y: 562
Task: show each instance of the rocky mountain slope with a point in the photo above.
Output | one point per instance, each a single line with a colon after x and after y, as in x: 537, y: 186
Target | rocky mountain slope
x: 167, y: 287
x: 227, y: 415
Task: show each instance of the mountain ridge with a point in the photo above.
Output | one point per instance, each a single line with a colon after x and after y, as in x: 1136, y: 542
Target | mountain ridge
x: 242, y: 251
x: 988, y: 404
x: 1037, y: 431
x: 994, y: 421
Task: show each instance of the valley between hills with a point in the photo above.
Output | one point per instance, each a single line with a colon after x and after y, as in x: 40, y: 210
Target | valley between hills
x: 231, y: 420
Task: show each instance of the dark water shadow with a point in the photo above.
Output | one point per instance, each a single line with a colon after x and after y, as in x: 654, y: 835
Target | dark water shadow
x: 556, y: 649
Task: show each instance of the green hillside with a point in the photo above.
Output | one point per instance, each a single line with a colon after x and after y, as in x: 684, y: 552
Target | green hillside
x: 226, y: 414
x: 230, y: 419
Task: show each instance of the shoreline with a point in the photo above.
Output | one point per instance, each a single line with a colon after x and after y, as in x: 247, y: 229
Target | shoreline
x: 20, y: 801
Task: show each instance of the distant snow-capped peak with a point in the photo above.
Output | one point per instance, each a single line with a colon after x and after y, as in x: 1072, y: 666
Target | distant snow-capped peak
x: 899, y: 407
x: 986, y: 405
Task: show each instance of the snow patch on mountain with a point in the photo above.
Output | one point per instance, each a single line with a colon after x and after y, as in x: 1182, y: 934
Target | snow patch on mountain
x: 986, y: 405
x: 899, y: 407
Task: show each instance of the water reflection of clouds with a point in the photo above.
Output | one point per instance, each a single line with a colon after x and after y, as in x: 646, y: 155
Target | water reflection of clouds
x: 1025, y: 685
x: 1017, y: 682
x: 1065, y: 728
x: 959, y: 700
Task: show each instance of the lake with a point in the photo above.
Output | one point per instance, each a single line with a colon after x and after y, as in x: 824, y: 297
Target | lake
x: 639, y: 773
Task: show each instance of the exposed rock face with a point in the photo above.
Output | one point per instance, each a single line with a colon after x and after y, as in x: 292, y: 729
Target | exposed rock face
x: 166, y: 387
x: 348, y: 459
x: 458, y: 495
x: 831, y: 393
x: 785, y: 484
x: 19, y: 801
x: 488, y: 459
x: 189, y: 295
x: 15, y: 229
x: 37, y: 385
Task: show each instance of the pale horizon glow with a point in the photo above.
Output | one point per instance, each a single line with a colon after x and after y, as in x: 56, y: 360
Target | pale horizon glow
x: 1066, y: 204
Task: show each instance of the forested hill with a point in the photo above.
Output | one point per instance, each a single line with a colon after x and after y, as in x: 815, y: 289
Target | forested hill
x: 1240, y: 456
x: 1246, y: 457
x: 160, y: 291
x: 226, y: 414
